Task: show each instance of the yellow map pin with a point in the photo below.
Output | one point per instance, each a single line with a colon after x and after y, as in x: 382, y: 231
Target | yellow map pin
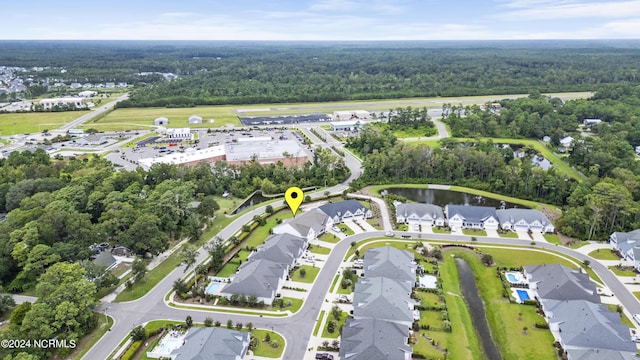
x: 293, y: 196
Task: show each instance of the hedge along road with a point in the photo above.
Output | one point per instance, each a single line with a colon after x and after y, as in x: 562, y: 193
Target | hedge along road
x: 297, y: 328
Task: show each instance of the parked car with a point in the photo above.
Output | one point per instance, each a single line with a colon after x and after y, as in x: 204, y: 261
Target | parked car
x: 324, y: 356
x: 636, y: 317
x: 336, y: 229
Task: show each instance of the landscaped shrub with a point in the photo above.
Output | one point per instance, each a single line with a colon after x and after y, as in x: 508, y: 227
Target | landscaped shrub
x: 542, y: 325
x: 530, y: 302
x: 131, y: 351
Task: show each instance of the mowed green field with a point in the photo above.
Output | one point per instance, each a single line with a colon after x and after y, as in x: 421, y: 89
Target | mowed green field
x: 142, y: 118
x: 22, y: 123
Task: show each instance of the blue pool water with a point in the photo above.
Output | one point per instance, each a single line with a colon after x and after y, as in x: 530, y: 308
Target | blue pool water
x: 512, y: 278
x: 523, y: 295
x: 213, y: 288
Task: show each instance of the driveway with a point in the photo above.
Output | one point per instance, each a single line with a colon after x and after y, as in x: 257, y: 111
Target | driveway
x: 353, y: 226
x: 492, y: 233
x: 365, y: 225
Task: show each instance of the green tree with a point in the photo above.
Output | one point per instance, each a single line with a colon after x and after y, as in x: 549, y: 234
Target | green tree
x: 189, y: 321
x: 208, y: 322
x: 216, y: 251
x: 144, y: 235
x: 6, y: 303
x: 139, y: 269
x: 138, y: 333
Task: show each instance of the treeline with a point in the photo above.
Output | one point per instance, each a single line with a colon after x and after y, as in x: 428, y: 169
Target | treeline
x: 56, y: 209
x: 408, y: 117
x: 480, y: 165
x: 235, y: 73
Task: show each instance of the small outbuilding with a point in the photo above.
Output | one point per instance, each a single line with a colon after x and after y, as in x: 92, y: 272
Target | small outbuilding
x: 195, y: 119
x: 161, y: 121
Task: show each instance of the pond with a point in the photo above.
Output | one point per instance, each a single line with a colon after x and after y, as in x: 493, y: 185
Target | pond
x: 253, y: 199
x: 443, y: 197
x: 476, y: 309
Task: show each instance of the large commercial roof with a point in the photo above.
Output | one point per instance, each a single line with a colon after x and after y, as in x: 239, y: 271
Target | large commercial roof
x: 181, y: 158
x: 265, y: 149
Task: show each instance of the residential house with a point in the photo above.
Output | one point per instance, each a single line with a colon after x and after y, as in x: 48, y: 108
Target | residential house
x: 195, y: 119
x: 565, y: 143
x: 637, y: 149
x: 213, y: 343
x: 260, y: 278
x: 591, y: 122
x: 92, y: 140
x: 580, y: 326
x: 346, y: 210
x: 161, y: 121
x: 309, y: 224
x: 390, y: 262
x: 106, y: 260
x: 558, y: 282
x: 383, y: 298
x: 282, y: 249
x: 372, y: 339
x: 524, y: 220
x: 471, y: 217
x: 423, y: 214
x: 628, y: 244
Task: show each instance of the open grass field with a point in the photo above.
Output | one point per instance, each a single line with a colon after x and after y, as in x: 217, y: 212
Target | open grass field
x: 142, y: 118
x: 23, y: 123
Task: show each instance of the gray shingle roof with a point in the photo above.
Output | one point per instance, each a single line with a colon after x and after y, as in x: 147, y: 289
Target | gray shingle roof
x: 390, y: 262
x: 341, y: 207
x: 314, y: 219
x: 369, y: 339
x: 383, y: 298
x: 558, y: 282
x: 259, y: 278
x: 471, y: 213
x: 584, y: 324
x: 434, y: 211
x: 281, y: 248
x: 213, y: 343
x: 626, y: 240
x: 529, y: 215
x: 599, y: 354
x: 104, y: 259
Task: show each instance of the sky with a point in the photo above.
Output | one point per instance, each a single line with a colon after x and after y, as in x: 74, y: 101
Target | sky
x: 300, y: 20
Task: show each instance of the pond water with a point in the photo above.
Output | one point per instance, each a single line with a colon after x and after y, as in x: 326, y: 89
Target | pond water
x: 476, y: 309
x: 443, y: 197
x: 252, y: 200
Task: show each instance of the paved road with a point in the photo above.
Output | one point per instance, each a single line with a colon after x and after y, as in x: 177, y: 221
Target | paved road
x: 86, y: 117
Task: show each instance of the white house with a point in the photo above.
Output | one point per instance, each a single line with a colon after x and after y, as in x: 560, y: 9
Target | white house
x: 87, y: 93
x: 471, y: 217
x: 524, y: 220
x: 566, y: 141
x: 179, y: 134
x: 628, y: 244
x: 591, y: 122
x: 346, y: 210
x: 48, y: 104
x: 423, y: 214
x: 310, y: 225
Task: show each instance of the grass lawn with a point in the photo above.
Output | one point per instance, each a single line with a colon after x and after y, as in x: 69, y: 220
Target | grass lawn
x: 318, y: 322
x: 120, y: 269
x: 579, y: 244
x: 622, y: 272
x: 333, y: 284
x: 440, y: 230
x: 317, y: 249
x: 505, y: 323
x: 474, y: 232
x: 604, y: 254
x: 625, y: 320
x: 328, y: 237
x: 637, y: 294
x: 89, y: 340
x: 374, y: 223
x: 296, y: 304
x: 267, y: 350
x: 346, y: 291
x: 345, y: 229
x: 340, y: 322
x: 517, y: 257
x: 428, y: 298
x: 142, y: 118
x: 431, y: 318
x: 409, y: 132
x: 508, y: 234
x: 260, y: 233
x: 552, y: 238
x: 35, y: 122
x: 310, y: 276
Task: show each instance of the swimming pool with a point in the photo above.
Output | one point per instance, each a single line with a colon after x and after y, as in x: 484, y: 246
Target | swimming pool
x: 512, y: 277
x: 213, y: 288
x: 523, y: 295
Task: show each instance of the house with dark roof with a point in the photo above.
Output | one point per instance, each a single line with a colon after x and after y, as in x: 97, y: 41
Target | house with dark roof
x: 372, y: 339
x: 309, y: 224
x: 524, y: 220
x: 580, y: 325
x: 471, y: 217
x: 628, y: 244
x: 346, y: 210
x: 390, y: 262
x: 383, y: 299
x: 106, y: 260
x: 213, y: 343
x: 283, y: 249
x: 422, y: 214
x: 558, y: 282
x: 261, y: 278
x: 92, y: 140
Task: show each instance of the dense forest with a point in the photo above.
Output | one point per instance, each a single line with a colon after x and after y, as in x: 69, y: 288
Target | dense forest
x: 250, y: 72
x: 607, y: 200
x: 57, y: 208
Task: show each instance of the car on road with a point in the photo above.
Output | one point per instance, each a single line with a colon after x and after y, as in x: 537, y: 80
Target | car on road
x: 406, y: 236
x: 324, y: 356
x: 389, y: 233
